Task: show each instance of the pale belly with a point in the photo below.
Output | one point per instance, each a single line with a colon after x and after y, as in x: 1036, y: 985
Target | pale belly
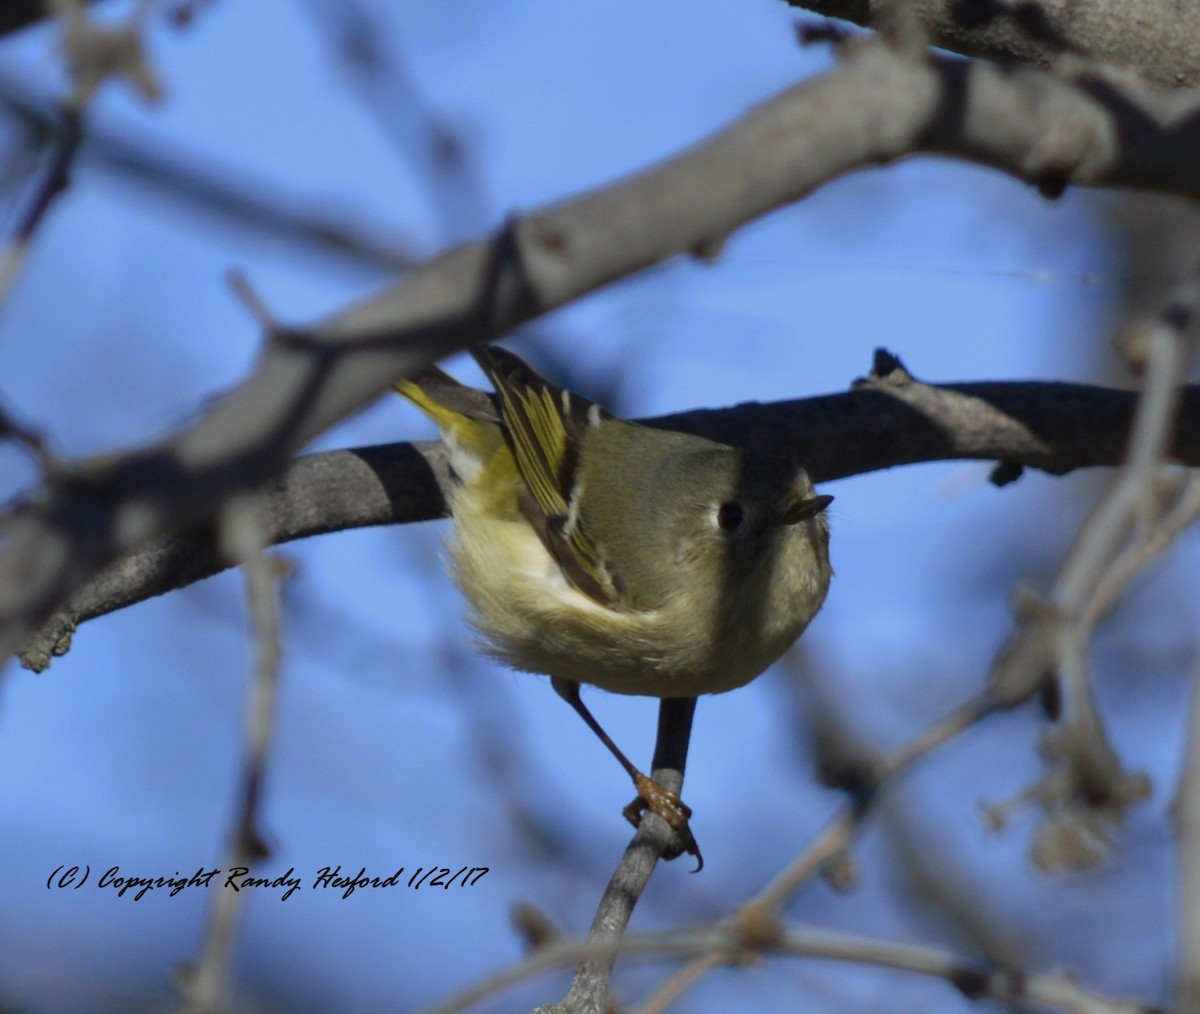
x: 532, y: 619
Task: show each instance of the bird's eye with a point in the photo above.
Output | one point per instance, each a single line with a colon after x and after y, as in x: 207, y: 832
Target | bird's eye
x: 730, y: 516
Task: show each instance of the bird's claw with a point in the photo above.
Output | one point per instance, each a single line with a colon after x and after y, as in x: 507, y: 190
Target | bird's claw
x: 667, y: 805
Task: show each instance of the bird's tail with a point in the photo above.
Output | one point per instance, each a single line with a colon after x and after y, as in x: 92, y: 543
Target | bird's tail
x: 468, y: 419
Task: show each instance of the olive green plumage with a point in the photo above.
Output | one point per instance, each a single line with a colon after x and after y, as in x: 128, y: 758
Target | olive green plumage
x: 599, y: 551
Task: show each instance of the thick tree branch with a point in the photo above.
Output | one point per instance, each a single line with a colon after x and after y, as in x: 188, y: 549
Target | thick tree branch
x: 1155, y: 38
x: 18, y: 14
x: 888, y: 419
x: 879, y: 105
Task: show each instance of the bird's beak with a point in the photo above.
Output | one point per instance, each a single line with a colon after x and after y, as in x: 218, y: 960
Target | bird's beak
x: 802, y: 510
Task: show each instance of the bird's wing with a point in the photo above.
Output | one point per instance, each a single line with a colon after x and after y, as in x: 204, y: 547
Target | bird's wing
x: 546, y: 427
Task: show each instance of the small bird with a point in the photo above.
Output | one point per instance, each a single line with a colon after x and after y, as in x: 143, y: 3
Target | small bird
x: 639, y: 560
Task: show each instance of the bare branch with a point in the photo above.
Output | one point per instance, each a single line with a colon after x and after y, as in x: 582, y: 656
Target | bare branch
x: 317, y: 494
x: 376, y: 66
x: 18, y: 14
x: 1085, y: 791
x: 654, y: 840
x: 242, y: 540
x: 877, y: 106
x: 27, y: 437
x: 93, y: 53
x: 96, y: 52
x: 739, y: 943
x: 198, y: 183
x: 1148, y: 542
x: 866, y: 786
x: 1187, y: 864
x: 1152, y: 37
x: 833, y: 843
x: 54, y: 181
x: 755, y: 927
x: 888, y: 419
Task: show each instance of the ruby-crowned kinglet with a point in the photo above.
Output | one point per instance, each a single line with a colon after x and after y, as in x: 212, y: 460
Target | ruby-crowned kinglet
x: 599, y: 551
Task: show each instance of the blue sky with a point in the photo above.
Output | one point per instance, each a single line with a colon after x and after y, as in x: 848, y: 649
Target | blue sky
x: 398, y: 747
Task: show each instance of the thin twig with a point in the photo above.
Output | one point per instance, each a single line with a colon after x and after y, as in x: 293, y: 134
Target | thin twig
x: 1150, y: 542
x: 373, y: 58
x: 54, y: 181
x: 971, y: 978
x: 241, y: 533
x: 653, y: 840
x: 1135, y: 482
x: 92, y: 54
x: 734, y: 944
x: 1187, y: 833
x: 30, y: 439
x: 1085, y: 791
x: 96, y: 52
x: 832, y: 841
x: 199, y: 184
x: 838, y: 835
x: 634, y: 869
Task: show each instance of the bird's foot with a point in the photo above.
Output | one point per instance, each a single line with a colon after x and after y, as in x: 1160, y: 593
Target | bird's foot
x: 666, y: 804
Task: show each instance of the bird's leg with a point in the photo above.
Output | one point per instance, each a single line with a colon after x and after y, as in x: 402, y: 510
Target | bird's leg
x: 674, y: 730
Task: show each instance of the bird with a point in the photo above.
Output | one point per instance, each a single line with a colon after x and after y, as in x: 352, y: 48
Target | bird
x: 596, y: 550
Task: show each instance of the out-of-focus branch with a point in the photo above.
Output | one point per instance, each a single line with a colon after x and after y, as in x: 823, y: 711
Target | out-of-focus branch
x: 18, y: 14
x: 1155, y: 38
x: 241, y: 537
x: 1085, y: 791
x: 369, y: 50
x: 864, y: 786
x: 207, y: 188
x: 54, y: 179
x: 888, y: 419
x: 1187, y: 865
x: 830, y: 849
x: 744, y: 940
x: 93, y: 54
x: 373, y: 58
x: 878, y: 105
x: 97, y: 52
x: 756, y: 928
x: 1148, y: 543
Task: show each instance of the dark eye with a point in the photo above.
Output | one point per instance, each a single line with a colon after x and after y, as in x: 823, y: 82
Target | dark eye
x: 730, y: 516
